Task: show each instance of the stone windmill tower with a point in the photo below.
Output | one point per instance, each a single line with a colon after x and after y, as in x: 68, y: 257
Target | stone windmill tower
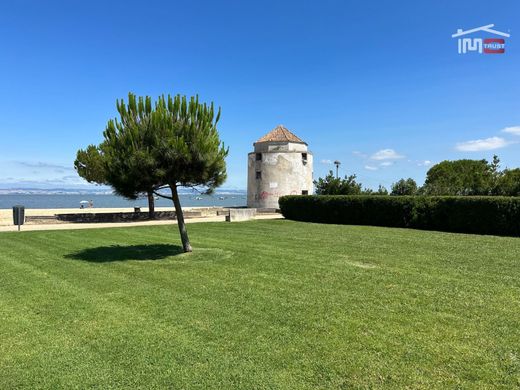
x: 280, y: 165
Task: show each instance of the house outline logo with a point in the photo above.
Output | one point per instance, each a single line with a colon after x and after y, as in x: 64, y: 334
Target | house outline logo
x: 487, y: 45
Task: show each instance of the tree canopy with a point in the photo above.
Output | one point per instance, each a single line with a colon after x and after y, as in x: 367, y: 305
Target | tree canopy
x: 508, y: 183
x: 404, y: 187
x: 460, y: 177
x: 331, y: 185
x: 124, y: 165
x: 169, y: 144
x: 90, y: 165
x: 472, y: 177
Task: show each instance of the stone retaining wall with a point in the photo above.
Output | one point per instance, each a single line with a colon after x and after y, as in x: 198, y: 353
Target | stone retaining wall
x: 237, y: 215
x: 122, y: 217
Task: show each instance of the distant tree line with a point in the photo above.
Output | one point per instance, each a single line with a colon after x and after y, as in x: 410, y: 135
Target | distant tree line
x: 332, y: 185
x: 459, y: 178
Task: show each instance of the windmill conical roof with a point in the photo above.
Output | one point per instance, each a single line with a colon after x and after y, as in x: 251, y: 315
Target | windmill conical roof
x: 280, y: 134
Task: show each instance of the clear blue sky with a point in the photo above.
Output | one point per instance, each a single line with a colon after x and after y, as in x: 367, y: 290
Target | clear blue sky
x: 351, y: 78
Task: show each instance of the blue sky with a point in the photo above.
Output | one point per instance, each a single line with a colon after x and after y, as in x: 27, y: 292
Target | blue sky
x: 377, y: 85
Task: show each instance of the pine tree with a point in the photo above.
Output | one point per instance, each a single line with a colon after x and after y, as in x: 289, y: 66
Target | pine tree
x: 173, y: 144
x: 130, y: 168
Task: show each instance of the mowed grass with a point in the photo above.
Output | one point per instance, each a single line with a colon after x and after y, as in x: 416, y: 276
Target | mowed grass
x: 262, y: 304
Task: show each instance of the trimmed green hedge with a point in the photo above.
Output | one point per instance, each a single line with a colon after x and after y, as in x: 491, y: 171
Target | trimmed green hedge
x: 463, y: 214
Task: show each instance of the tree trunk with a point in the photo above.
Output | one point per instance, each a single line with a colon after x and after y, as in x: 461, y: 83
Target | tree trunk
x: 151, y: 205
x: 186, y: 246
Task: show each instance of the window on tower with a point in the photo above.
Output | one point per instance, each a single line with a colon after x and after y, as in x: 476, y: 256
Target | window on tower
x: 258, y: 175
x: 259, y: 157
x: 305, y: 192
x: 304, y: 158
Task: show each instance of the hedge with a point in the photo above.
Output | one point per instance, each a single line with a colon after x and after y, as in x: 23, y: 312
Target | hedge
x: 462, y: 214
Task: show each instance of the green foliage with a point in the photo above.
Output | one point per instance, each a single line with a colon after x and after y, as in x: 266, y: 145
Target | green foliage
x: 129, y: 164
x: 460, y: 177
x: 125, y: 165
x: 472, y: 177
x: 331, y: 185
x: 175, y: 143
x: 494, y: 167
x: 381, y: 190
x: 508, y: 184
x: 187, y: 146
x: 480, y: 215
x: 172, y: 143
x: 454, y: 178
x: 404, y: 187
x: 90, y: 165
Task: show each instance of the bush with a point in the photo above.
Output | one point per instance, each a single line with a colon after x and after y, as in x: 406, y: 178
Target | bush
x: 478, y: 215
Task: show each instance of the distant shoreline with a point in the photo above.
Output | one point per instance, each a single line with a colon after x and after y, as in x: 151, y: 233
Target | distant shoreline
x: 73, y: 201
x: 63, y: 191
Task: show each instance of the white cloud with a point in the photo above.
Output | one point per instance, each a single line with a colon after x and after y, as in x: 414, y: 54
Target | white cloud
x: 386, y: 154
x: 424, y: 163
x: 44, y: 165
x: 386, y: 163
x: 370, y: 168
x: 328, y: 162
x: 512, y: 130
x: 482, y: 144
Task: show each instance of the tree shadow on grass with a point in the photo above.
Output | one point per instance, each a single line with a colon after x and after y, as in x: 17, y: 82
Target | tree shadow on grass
x: 106, y: 254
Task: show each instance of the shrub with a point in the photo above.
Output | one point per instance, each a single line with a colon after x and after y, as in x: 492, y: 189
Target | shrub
x: 404, y: 187
x: 478, y: 214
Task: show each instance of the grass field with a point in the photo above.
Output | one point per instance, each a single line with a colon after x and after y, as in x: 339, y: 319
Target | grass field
x: 263, y: 304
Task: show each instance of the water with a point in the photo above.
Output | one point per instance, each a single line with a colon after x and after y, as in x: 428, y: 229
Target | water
x: 71, y: 201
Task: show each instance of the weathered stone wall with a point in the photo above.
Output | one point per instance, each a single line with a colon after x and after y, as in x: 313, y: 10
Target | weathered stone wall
x: 122, y: 217
x: 237, y: 215
x: 283, y: 172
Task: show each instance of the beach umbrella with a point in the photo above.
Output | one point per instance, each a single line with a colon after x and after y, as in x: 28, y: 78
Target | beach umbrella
x: 84, y: 202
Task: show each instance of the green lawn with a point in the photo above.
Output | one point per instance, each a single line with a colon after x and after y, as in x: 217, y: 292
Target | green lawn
x: 263, y: 304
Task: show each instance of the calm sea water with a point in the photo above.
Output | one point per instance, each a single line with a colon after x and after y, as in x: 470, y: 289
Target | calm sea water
x: 53, y: 201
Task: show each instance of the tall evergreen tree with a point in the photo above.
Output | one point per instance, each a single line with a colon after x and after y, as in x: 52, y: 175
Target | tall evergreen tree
x: 90, y: 165
x: 129, y: 173
x: 174, y: 144
x: 129, y: 165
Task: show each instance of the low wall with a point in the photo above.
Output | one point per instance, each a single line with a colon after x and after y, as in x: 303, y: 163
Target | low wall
x: 122, y: 216
x: 266, y: 210
x: 236, y: 215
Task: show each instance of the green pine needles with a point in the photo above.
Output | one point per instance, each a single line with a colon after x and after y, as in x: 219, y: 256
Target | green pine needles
x: 171, y: 143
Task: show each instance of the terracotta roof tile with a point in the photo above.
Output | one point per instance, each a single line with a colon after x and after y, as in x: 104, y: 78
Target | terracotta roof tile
x: 280, y: 134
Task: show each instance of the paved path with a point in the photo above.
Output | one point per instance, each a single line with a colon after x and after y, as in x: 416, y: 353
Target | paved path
x: 69, y: 226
